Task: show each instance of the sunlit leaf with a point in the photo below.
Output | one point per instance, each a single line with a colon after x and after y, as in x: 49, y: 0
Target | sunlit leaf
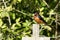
x: 46, y: 27
x: 13, y: 26
x: 17, y: 20
x: 4, y: 26
x: 43, y: 4
x: 1, y: 22
x: 14, y: 1
x: 19, y: 0
x: 13, y: 16
x: 41, y: 9
x: 9, y: 8
x: 52, y: 12
x: 18, y: 24
x: 1, y: 36
x: 3, y: 14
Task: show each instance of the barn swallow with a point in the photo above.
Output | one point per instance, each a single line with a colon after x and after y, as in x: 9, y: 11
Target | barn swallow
x: 40, y: 20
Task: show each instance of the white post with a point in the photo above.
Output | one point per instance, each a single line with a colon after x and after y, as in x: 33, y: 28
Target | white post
x: 35, y: 30
x: 35, y: 36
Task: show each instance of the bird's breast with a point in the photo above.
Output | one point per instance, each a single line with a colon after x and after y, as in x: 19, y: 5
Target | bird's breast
x: 38, y: 20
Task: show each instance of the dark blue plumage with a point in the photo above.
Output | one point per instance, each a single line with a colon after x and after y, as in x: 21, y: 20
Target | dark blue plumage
x: 42, y: 19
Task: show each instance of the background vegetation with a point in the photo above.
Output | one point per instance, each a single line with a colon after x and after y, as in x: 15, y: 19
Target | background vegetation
x: 16, y: 17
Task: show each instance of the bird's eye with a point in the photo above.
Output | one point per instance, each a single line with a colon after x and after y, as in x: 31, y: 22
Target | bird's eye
x: 35, y: 15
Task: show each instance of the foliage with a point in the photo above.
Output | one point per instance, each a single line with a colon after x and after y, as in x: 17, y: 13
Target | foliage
x: 16, y: 17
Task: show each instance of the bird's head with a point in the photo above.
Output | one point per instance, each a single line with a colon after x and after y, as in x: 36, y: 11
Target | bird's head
x: 36, y: 13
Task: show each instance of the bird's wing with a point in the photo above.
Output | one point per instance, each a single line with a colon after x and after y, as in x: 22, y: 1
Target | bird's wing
x: 42, y: 19
x: 46, y: 22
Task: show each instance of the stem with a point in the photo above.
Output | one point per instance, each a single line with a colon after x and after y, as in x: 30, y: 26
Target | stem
x: 46, y: 3
x: 57, y: 5
x: 56, y: 25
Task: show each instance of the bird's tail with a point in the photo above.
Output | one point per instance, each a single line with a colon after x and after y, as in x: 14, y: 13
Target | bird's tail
x: 52, y: 27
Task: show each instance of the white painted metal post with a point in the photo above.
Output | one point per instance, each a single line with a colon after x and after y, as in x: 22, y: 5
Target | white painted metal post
x: 35, y: 30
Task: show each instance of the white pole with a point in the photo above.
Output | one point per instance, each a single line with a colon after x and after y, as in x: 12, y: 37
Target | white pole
x: 35, y: 30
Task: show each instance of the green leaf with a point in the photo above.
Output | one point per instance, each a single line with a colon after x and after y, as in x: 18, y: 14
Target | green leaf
x: 52, y: 12
x: 18, y: 24
x: 26, y: 23
x: 1, y: 22
x: 12, y: 15
x: 43, y: 4
x: 46, y: 27
x: 17, y: 20
x: 19, y: 1
x: 41, y: 9
x: 4, y: 26
x: 3, y: 14
x: 13, y: 26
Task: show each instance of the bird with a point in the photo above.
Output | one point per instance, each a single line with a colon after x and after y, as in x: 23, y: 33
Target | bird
x: 40, y: 20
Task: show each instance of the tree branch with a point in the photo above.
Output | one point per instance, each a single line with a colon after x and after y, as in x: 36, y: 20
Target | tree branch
x: 8, y: 14
x: 56, y: 25
x: 20, y: 11
x: 57, y: 5
x: 46, y: 3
